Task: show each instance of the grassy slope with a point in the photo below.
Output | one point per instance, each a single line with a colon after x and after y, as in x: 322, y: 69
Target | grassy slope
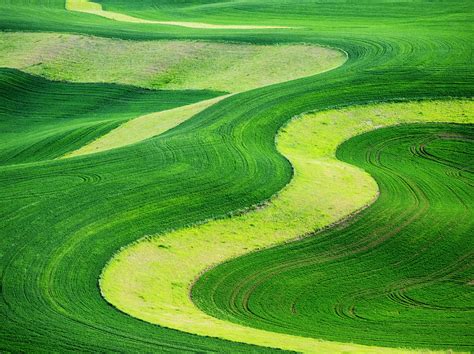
x: 180, y: 65
x: 42, y: 119
x: 90, y: 7
x: 144, y: 127
x: 216, y: 162
x: 399, y: 274
x: 152, y: 279
x: 176, y: 65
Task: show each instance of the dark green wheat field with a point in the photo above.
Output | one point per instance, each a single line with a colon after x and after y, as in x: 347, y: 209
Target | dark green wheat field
x: 392, y: 271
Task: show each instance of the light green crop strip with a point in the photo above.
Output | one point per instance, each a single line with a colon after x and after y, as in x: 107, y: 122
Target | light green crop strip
x: 152, y: 278
x: 144, y: 127
x: 96, y: 9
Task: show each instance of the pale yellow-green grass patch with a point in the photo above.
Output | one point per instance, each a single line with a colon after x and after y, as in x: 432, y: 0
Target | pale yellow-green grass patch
x: 90, y: 7
x: 152, y: 278
x: 168, y: 64
x: 144, y: 127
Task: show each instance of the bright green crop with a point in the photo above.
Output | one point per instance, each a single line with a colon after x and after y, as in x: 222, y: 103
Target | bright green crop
x: 62, y: 220
x: 399, y: 274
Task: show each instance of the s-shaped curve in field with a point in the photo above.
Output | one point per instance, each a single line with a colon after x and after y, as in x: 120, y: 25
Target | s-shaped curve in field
x: 160, y: 271
x: 90, y: 7
x: 397, y: 275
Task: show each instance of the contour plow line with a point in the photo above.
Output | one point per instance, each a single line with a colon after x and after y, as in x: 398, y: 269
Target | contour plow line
x: 152, y: 278
x: 144, y: 127
x: 93, y: 8
x: 156, y: 123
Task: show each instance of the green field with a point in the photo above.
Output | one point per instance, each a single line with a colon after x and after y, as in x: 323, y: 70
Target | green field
x: 44, y: 119
x: 179, y: 65
x: 322, y: 191
x: 397, y: 275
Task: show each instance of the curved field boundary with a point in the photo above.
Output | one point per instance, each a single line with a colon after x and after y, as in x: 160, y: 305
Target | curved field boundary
x: 42, y: 119
x: 96, y: 9
x: 397, y: 275
x: 153, y: 124
x: 171, y: 64
x: 56, y: 57
x: 151, y: 279
x: 144, y: 127
x: 56, y: 243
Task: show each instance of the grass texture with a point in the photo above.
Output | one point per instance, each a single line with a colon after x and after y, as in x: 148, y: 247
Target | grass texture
x: 152, y: 279
x: 62, y: 220
x: 184, y: 65
x: 399, y: 274
x: 165, y: 65
x: 42, y: 119
x: 94, y: 8
x: 144, y: 127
